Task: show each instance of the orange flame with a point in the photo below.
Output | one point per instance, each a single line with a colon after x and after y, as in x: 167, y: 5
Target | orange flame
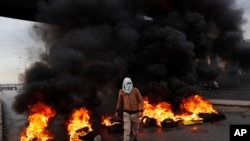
x: 39, y: 116
x: 196, y: 105
x: 106, y: 120
x: 78, y: 124
x: 193, y: 105
x: 159, y: 112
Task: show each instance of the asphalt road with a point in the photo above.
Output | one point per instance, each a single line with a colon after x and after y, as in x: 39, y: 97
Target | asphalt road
x: 217, y: 131
x: 12, y: 122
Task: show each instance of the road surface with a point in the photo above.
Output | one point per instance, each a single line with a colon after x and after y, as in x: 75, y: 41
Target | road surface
x: 217, y: 131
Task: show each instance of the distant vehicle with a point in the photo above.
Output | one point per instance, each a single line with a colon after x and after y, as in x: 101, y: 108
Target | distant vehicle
x: 211, y: 85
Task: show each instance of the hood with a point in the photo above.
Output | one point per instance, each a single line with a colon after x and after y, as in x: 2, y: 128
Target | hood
x: 127, y: 85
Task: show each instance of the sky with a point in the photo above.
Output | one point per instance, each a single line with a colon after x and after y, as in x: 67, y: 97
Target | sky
x: 245, y: 4
x: 18, y: 47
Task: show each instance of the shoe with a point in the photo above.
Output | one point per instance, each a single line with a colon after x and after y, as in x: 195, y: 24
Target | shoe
x: 98, y: 138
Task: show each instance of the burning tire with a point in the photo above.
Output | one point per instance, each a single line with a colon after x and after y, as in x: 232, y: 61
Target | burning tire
x: 147, y: 121
x: 113, y: 125
x: 116, y: 128
x: 89, y: 137
x: 211, y: 117
x: 169, y: 123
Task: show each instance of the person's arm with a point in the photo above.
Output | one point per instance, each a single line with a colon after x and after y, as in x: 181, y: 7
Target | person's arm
x: 140, y: 100
x: 141, y: 103
x: 119, y: 104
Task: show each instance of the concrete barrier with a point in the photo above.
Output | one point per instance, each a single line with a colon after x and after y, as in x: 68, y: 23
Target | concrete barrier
x: 231, y: 105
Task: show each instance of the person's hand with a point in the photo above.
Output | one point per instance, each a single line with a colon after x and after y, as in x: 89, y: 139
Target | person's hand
x: 116, y: 115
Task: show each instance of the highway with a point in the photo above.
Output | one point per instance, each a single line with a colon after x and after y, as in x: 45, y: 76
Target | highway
x: 216, y: 131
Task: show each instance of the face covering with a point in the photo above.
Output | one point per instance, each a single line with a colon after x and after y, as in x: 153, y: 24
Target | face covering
x: 127, y: 85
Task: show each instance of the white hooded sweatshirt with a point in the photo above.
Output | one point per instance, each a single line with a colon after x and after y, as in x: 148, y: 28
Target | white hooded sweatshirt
x: 127, y: 85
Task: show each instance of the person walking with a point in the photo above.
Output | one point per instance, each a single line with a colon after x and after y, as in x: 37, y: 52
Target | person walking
x: 131, y: 103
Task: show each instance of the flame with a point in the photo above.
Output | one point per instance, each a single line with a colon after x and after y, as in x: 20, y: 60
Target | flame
x: 39, y: 116
x: 106, y: 120
x: 193, y: 106
x: 196, y: 105
x: 78, y: 124
x: 159, y: 112
x: 188, y: 116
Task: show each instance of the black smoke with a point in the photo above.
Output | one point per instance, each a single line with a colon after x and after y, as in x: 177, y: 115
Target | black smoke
x: 163, y: 45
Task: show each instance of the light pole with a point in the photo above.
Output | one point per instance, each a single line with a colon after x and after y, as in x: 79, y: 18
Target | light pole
x: 24, y: 64
x: 18, y: 73
x: 25, y: 60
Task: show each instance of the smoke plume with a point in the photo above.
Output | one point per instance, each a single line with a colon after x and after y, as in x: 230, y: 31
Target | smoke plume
x: 163, y: 45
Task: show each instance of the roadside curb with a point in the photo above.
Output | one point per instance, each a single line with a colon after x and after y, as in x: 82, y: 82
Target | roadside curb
x: 231, y: 105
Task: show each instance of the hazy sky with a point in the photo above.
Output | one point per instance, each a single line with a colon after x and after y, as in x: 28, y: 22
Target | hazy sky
x: 17, y: 47
x: 245, y: 4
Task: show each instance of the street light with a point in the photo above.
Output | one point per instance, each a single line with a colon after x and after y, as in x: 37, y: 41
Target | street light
x: 24, y: 64
x: 18, y: 72
x: 25, y: 59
